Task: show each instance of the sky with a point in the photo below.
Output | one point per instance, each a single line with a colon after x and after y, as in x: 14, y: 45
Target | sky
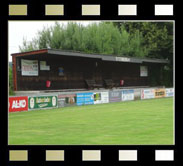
x: 28, y: 30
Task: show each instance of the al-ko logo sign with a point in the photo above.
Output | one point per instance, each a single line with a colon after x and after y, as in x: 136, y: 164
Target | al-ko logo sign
x: 18, y: 103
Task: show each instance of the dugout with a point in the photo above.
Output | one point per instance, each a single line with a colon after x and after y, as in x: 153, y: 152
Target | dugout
x: 34, y: 70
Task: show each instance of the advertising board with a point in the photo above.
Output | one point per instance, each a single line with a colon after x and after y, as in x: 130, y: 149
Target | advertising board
x: 43, y: 66
x: 127, y: 95
x: 147, y: 94
x: 66, y: 100
x: 29, y: 67
x: 143, y: 71
x: 101, y: 97
x: 159, y: 93
x: 61, y: 71
x: 39, y: 102
x: 84, y: 98
x: 19, y: 103
x: 137, y: 94
x: 169, y: 92
x: 114, y: 96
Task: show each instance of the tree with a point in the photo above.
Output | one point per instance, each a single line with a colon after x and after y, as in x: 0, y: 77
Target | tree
x: 103, y: 38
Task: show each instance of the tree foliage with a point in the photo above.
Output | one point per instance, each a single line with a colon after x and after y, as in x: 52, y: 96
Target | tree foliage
x: 157, y: 37
x: 103, y: 38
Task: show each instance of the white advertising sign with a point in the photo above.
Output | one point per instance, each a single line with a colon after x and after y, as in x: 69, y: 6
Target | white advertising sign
x: 143, y: 71
x: 101, y: 97
x: 105, y: 97
x: 169, y: 92
x: 43, y: 66
x: 147, y: 94
x: 127, y: 95
x: 29, y: 67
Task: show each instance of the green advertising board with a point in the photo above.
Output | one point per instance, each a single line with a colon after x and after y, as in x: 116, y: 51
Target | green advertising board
x: 39, y: 102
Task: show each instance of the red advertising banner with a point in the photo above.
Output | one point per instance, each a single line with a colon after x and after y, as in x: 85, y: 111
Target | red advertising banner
x: 18, y: 103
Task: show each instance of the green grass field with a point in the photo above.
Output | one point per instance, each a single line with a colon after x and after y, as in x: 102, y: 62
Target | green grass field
x: 143, y: 122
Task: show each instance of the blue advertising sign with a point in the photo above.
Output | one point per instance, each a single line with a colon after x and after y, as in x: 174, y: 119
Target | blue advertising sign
x: 84, y: 98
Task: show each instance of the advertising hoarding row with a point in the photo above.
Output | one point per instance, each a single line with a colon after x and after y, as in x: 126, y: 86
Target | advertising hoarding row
x: 157, y: 93
x: 25, y: 103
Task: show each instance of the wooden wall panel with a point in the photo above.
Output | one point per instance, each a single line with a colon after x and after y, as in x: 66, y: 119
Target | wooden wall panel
x: 76, y: 70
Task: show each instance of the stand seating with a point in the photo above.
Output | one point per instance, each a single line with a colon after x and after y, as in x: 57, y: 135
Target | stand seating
x: 109, y: 83
x: 92, y: 84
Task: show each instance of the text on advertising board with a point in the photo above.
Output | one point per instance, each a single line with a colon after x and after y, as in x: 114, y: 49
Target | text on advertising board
x: 127, y: 95
x: 147, y: 94
x: 29, y: 67
x: 66, y: 100
x: 169, y: 92
x: 101, y: 97
x: 42, y: 102
x: 114, y: 96
x: 85, y: 98
x: 18, y: 104
x: 159, y: 93
x: 143, y: 71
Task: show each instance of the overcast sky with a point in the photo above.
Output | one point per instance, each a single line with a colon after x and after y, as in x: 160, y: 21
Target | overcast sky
x: 28, y: 30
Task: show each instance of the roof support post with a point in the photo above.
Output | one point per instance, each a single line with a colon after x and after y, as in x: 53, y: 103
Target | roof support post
x: 14, y: 74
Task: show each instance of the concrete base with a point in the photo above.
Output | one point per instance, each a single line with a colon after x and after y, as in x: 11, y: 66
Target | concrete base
x: 71, y: 91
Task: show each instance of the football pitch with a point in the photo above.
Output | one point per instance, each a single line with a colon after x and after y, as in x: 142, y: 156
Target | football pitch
x: 142, y: 122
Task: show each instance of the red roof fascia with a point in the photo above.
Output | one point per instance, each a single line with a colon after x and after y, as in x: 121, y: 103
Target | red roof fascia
x: 30, y: 53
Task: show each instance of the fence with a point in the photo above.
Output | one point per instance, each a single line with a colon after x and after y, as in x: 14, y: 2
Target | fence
x: 49, y: 101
